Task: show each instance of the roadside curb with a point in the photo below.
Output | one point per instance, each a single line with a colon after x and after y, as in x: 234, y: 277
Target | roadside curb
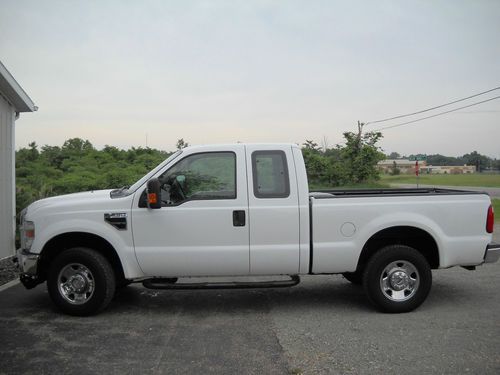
x: 8, y: 285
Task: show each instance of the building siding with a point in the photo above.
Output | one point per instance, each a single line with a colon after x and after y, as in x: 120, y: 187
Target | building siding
x: 7, y: 179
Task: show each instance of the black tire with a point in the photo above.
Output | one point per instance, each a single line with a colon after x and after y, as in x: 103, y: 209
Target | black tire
x: 397, y: 279
x: 355, y: 278
x: 122, y: 284
x: 82, y: 268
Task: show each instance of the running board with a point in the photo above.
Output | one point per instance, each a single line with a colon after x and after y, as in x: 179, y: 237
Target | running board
x: 164, y: 284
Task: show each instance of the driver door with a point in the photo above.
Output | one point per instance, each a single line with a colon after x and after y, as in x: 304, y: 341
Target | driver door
x: 201, y: 229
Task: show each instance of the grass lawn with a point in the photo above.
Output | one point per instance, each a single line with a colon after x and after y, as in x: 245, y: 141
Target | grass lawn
x: 496, y: 209
x: 482, y: 180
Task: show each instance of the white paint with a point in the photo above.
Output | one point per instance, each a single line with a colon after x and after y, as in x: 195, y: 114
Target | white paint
x: 84, y: 212
x: 456, y: 222
x: 7, y: 179
x: 195, y: 238
x: 348, y: 229
x: 303, y: 191
x: 274, y: 223
x: 12, y: 99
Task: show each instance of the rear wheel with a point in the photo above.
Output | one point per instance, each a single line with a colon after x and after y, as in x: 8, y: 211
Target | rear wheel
x: 81, y: 281
x: 397, y: 279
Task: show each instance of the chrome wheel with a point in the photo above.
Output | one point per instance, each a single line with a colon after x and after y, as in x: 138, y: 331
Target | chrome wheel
x: 399, y: 280
x: 76, y: 283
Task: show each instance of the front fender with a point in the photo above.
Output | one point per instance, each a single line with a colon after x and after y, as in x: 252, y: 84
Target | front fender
x: 121, y: 240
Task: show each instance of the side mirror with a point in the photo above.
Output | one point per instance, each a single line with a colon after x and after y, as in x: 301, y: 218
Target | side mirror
x: 153, y: 193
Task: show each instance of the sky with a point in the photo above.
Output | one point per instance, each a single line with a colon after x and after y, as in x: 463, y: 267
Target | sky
x: 146, y: 73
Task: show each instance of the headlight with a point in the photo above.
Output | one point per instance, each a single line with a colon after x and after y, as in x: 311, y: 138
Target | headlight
x: 27, y: 234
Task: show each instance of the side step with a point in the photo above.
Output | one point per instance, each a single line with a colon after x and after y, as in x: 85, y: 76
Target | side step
x: 167, y: 284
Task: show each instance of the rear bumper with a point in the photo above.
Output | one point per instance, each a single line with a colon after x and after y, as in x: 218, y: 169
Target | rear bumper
x: 492, y: 253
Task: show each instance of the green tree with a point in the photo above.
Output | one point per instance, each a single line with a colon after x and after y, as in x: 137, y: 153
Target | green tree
x: 360, y: 156
x: 311, y: 146
x: 395, y: 170
x: 481, y: 162
x: 353, y: 163
x: 438, y: 159
x: 181, y: 144
x: 78, y: 166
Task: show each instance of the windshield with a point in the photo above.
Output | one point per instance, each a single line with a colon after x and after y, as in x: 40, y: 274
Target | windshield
x: 136, y: 186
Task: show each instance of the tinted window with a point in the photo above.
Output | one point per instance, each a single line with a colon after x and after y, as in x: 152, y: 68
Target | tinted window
x: 200, y: 176
x: 270, y: 174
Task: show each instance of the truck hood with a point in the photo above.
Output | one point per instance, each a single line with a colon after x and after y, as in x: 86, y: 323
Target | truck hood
x: 88, y: 200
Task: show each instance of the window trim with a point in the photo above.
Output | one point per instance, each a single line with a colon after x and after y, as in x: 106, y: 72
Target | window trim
x: 142, y: 199
x: 256, y: 192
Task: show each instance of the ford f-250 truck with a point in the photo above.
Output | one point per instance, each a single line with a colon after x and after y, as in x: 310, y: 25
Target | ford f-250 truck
x: 245, y: 210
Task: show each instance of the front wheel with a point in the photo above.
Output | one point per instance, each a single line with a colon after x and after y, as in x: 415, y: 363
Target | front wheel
x: 397, y: 279
x: 81, y: 281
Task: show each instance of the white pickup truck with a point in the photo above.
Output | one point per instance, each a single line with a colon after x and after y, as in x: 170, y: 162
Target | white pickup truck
x: 245, y: 210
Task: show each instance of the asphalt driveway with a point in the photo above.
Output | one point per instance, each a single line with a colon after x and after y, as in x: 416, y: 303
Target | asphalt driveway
x: 323, y: 325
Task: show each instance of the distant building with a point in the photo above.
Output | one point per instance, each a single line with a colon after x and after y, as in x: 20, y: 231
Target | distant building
x: 13, y: 101
x: 405, y: 166
x: 448, y: 169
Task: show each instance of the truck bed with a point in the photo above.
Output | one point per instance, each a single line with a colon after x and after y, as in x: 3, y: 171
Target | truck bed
x: 352, y: 193
x: 341, y: 226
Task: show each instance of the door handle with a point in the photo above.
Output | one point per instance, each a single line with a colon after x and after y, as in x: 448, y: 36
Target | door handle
x: 239, y: 218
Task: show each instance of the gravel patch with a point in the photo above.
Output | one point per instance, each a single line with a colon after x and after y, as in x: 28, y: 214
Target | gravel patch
x: 8, y: 270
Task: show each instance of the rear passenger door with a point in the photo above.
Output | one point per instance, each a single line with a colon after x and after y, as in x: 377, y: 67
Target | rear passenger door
x: 273, y: 210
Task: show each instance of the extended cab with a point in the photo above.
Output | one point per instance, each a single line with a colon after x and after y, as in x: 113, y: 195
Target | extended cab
x: 245, y: 210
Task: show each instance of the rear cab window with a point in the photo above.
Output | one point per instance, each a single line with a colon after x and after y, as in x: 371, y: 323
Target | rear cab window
x: 270, y: 174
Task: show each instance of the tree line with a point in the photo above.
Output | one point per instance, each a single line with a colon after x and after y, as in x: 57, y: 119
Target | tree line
x: 78, y: 166
x: 481, y: 162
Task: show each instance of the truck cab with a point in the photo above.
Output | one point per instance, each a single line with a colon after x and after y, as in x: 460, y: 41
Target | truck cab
x: 234, y: 211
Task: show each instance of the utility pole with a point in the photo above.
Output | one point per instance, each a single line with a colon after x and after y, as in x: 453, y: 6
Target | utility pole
x: 360, y: 132
x: 360, y: 129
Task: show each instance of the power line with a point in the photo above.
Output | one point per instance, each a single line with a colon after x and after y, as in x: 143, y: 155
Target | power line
x: 438, y: 114
x: 430, y: 109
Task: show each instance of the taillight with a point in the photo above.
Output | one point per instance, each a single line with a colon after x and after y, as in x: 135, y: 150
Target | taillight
x: 490, y: 220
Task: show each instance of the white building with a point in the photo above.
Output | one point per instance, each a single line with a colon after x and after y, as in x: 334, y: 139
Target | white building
x: 13, y: 101
x: 405, y: 166
x: 449, y: 169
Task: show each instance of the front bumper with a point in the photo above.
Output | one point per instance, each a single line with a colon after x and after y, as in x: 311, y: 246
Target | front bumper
x: 27, y: 264
x: 492, y: 253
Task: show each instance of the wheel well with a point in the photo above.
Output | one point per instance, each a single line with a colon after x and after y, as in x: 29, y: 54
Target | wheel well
x: 402, y: 235
x: 79, y: 239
